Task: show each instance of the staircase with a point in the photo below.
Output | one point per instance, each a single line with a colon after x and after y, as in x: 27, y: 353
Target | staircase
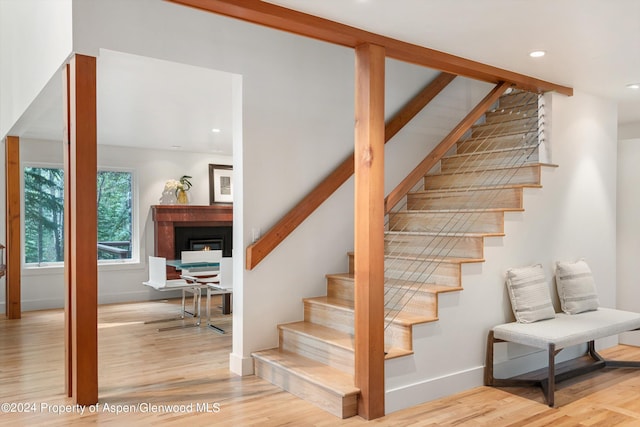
x: 442, y: 226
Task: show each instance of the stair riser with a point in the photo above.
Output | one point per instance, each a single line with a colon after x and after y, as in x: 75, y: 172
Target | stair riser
x: 519, y: 176
x: 331, y: 317
x: 489, y: 160
x: 342, y: 407
x: 342, y: 320
x: 468, y: 222
x: 437, y: 273
x: 340, y: 287
x: 398, y: 336
x: 520, y: 98
x: 411, y: 300
x: 317, y: 349
x: 520, y: 125
x: 497, y: 143
x: 504, y: 198
x: 509, y: 114
x: 439, y: 246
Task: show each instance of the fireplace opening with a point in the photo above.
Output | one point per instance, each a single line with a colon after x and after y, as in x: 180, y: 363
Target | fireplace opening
x: 199, y: 238
x: 206, y: 244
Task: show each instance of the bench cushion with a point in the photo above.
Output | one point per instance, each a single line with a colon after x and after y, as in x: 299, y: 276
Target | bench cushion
x: 576, y: 287
x: 529, y: 294
x: 565, y: 330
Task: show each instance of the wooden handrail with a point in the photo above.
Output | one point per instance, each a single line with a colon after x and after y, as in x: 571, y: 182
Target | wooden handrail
x: 304, y: 24
x: 272, y: 238
x: 436, y: 154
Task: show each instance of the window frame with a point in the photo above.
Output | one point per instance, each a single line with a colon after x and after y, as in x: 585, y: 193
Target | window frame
x: 135, y: 235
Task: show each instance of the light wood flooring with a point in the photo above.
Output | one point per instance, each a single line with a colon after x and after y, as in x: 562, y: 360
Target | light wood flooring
x: 141, y: 367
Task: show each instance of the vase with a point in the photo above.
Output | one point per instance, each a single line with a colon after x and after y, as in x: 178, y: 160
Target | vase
x: 181, y: 197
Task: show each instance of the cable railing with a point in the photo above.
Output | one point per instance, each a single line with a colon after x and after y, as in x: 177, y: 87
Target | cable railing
x: 416, y: 257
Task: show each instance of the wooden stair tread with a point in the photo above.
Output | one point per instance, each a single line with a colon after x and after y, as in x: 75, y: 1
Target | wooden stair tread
x: 324, y: 333
x: 476, y: 188
x: 526, y: 119
x: 492, y: 168
x: 424, y: 287
x: 331, y: 379
x: 341, y: 275
x: 436, y: 259
x: 340, y: 338
x: 511, y: 132
x: 525, y: 107
x: 442, y: 234
x: 395, y: 352
x: 492, y: 151
x: 407, y: 319
x: 338, y: 303
x: 431, y: 288
x: 454, y: 211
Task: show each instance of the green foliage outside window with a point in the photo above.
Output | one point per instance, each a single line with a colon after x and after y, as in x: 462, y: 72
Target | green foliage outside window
x: 44, y: 215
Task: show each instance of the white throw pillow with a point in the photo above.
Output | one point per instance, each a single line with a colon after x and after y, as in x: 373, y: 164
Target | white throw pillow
x: 529, y: 293
x: 576, y: 287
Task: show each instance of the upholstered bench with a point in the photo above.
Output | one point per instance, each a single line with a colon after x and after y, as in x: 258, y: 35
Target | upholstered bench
x: 581, y: 321
x: 564, y: 330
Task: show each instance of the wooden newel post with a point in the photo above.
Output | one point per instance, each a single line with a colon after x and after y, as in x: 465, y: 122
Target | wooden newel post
x: 369, y: 229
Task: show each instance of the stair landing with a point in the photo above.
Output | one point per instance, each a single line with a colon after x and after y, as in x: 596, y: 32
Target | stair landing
x: 315, y: 382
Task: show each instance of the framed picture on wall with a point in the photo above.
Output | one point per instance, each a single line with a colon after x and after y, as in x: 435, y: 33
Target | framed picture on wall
x: 220, y: 184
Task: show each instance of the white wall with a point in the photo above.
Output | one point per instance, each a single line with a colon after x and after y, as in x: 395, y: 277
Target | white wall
x: 629, y: 131
x: 35, y: 40
x: 572, y: 216
x: 628, y: 232
x: 42, y: 287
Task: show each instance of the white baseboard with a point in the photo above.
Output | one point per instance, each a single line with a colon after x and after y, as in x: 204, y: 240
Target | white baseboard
x: 630, y: 338
x: 52, y: 303
x: 433, y: 388
x: 240, y: 365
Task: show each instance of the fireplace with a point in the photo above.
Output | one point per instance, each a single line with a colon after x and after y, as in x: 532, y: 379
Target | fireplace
x: 197, y: 238
x: 180, y: 227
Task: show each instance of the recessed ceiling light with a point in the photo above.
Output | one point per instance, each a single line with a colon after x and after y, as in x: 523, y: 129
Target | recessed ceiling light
x: 215, y: 130
x: 633, y: 86
x: 537, y: 53
x: 176, y: 147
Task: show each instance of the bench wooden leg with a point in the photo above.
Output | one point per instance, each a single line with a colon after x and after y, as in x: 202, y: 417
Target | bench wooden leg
x: 551, y: 380
x: 488, y: 365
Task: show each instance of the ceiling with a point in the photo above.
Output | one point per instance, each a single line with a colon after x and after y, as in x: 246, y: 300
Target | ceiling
x: 146, y: 103
x: 591, y: 45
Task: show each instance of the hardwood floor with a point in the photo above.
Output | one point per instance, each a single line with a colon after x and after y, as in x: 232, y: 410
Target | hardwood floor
x: 181, y: 377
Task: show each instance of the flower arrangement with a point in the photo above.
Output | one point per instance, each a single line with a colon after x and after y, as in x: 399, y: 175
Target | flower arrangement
x: 182, y: 184
x: 179, y: 187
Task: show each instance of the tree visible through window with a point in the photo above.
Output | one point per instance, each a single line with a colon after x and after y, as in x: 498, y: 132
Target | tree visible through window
x: 44, y: 215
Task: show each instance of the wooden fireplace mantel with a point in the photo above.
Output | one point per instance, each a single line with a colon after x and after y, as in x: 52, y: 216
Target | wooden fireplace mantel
x: 167, y: 217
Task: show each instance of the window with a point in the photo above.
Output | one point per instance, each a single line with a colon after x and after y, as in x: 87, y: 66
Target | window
x: 44, y: 215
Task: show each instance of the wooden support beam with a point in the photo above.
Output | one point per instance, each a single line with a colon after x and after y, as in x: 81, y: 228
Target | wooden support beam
x: 281, y: 18
x: 14, y: 251
x: 369, y: 230
x: 257, y: 251
x: 82, y: 262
